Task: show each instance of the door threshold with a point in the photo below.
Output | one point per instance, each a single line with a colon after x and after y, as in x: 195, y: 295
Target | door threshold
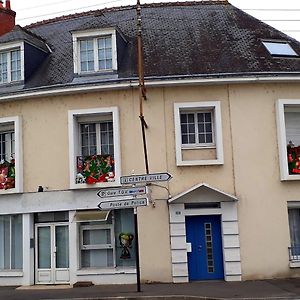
x: 45, y: 287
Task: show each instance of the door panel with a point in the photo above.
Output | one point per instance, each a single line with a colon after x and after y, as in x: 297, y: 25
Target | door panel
x: 52, y: 253
x: 205, y: 260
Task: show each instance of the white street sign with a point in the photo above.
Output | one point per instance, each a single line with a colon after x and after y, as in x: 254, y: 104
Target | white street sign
x: 145, y: 178
x: 132, y: 191
x: 119, y: 204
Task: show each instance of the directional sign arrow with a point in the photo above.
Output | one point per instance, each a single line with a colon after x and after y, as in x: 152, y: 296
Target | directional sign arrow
x: 119, y: 204
x: 115, y: 192
x: 145, y: 178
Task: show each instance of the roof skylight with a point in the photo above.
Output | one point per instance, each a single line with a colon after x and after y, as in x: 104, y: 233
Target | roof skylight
x: 280, y: 49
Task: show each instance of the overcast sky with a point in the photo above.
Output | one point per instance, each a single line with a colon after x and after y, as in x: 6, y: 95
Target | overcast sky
x: 287, y: 13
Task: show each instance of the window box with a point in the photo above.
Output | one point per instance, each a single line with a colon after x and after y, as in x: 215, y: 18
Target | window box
x: 95, y: 51
x: 11, y: 62
x: 198, y: 133
x: 10, y: 155
x: 288, y: 125
x: 94, y: 147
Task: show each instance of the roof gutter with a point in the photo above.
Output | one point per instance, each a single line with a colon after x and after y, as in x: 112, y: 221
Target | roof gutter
x: 133, y: 83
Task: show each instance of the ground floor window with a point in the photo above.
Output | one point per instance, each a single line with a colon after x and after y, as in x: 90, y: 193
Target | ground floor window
x: 11, y: 246
x: 294, y: 223
x: 108, y: 243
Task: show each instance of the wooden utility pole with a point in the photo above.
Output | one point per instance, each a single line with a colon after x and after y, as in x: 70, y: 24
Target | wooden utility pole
x: 144, y: 126
x: 142, y: 89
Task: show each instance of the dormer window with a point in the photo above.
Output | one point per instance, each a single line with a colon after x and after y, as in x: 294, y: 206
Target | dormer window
x: 95, y: 51
x: 10, y: 66
x: 279, y: 48
x: 11, y: 62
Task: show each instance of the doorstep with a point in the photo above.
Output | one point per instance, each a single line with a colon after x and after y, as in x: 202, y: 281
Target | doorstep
x: 45, y: 287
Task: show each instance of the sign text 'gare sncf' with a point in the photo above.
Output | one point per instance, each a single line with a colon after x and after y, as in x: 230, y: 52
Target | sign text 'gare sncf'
x: 144, y: 178
x: 119, y: 204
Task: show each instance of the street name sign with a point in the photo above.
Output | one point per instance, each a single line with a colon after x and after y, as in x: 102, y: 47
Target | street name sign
x: 119, y: 204
x: 132, y: 191
x: 144, y: 178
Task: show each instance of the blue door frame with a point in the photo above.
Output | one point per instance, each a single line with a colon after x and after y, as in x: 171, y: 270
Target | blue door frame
x: 205, y: 261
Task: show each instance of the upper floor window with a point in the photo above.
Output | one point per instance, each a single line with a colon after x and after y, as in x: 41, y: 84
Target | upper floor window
x: 198, y: 133
x: 7, y: 143
x: 197, y: 128
x: 95, y: 51
x: 10, y: 155
x: 288, y: 121
x: 10, y: 66
x: 94, y: 147
x: 97, y: 138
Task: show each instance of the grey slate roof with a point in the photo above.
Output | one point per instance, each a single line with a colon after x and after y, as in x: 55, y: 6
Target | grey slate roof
x: 203, y: 39
x: 21, y: 34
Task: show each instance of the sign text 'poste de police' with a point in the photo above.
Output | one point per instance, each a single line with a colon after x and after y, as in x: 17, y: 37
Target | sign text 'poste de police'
x: 119, y: 204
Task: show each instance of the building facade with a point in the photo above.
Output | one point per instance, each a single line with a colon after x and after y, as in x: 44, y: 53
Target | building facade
x: 222, y: 111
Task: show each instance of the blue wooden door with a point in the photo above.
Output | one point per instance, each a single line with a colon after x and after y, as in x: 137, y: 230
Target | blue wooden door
x: 205, y: 261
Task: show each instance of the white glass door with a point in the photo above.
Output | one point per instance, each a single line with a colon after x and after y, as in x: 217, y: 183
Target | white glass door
x: 52, y: 253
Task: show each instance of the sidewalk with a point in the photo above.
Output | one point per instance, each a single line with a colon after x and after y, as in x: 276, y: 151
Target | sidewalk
x: 263, y: 289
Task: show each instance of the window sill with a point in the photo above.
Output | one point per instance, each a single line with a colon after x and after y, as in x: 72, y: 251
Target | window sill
x: 200, y: 162
x: 106, y: 271
x: 197, y: 147
x: 295, y: 264
x: 11, y: 273
x: 85, y: 186
x: 10, y: 191
x: 290, y: 177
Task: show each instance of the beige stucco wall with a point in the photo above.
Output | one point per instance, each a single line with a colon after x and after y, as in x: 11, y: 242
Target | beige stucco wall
x: 263, y: 219
x: 250, y: 170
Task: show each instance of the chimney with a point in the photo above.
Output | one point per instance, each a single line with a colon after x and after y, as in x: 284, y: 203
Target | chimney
x: 7, y: 17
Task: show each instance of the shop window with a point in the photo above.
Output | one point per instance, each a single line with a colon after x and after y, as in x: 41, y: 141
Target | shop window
x: 108, y: 243
x: 10, y: 155
x: 11, y: 249
x: 94, y: 150
x: 198, y: 133
x: 294, y: 224
x: 288, y: 118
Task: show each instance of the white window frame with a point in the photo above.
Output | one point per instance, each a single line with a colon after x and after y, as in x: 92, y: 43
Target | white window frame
x: 215, y: 107
x: 98, y: 132
x: 75, y: 149
x: 94, y: 34
x: 8, y: 48
x: 281, y: 134
x: 197, y: 144
x: 16, y: 120
x: 102, y: 246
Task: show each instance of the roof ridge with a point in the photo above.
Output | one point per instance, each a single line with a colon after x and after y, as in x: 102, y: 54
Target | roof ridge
x: 120, y: 8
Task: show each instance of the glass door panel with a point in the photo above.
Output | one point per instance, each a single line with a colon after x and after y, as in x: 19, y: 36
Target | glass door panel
x: 62, y: 246
x: 44, y: 247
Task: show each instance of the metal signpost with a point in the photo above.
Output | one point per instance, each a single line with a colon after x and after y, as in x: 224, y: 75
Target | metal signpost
x: 131, y: 203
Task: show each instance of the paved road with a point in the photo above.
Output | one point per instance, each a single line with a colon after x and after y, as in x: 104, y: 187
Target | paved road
x: 264, y: 289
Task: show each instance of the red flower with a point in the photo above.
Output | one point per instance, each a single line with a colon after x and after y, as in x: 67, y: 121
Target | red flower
x: 91, y: 180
